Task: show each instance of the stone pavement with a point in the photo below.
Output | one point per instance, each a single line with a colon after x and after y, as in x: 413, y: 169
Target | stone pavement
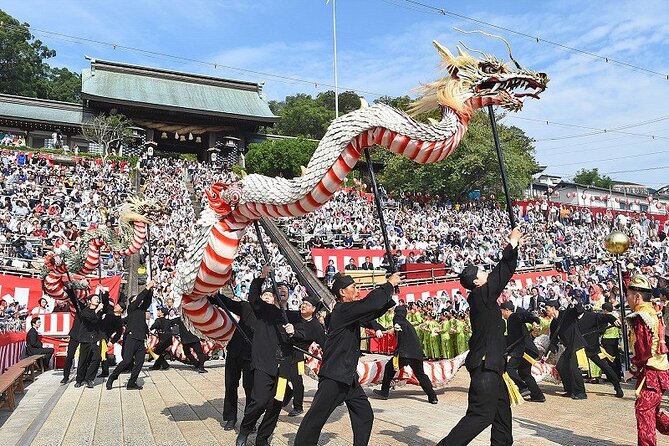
x: 182, y: 407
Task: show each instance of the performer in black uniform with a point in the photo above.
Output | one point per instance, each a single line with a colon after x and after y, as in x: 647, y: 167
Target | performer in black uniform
x: 238, y: 359
x: 564, y: 328
x: 592, y: 325
x: 162, y: 327
x: 409, y: 352
x: 112, y: 327
x: 488, y: 401
x: 305, y: 333
x: 73, y: 341
x: 339, y: 381
x: 136, y: 332
x: 89, y: 341
x: 271, y: 355
x: 519, y: 342
x: 190, y: 344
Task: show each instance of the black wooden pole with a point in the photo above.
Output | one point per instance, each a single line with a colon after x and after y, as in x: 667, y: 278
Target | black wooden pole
x: 500, y: 158
x: 265, y: 254
x: 379, y: 209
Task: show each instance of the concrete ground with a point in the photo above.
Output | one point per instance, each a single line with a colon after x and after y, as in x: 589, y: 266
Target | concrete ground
x: 182, y: 407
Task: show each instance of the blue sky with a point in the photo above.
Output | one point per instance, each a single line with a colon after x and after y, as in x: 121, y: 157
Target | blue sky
x: 384, y: 47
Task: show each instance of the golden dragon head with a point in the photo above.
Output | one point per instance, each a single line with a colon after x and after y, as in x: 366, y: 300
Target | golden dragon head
x: 476, y: 82
x: 142, y: 210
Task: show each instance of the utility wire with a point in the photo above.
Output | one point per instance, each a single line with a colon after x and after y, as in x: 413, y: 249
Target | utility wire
x: 444, y: 12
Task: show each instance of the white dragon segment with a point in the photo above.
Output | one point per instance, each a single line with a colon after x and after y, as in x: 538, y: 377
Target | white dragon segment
x: 471, y: 83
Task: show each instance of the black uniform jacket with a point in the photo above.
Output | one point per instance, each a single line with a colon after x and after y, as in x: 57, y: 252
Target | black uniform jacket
x: 90, y: 325
x: 238, y: 347
x: 32, y: 341
x: 342, y: 347
x: 136, y: 327
x: 564, y: 329
x: 163, y: 328
x: 74, y: 331
x: 306, y: 333
x: 592, y: 326
x: 270, y: 341
x: 185, y: 334
x: 408, y: 344
x: 487, y: 325
x: 519, y: 339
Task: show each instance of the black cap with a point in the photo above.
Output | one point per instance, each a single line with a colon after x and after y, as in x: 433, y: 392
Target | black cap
x: 508, y: 305
x: 553, y: 303
x: 339, y: 282
x: 606, y: 306
x: 313, y: 300
x: 468, y: 276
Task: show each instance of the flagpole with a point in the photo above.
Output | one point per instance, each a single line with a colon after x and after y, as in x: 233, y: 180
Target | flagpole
x: 500, y: 158
x: 334, y: 46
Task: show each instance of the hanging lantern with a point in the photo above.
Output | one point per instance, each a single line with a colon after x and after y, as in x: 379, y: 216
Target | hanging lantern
x: 198, y: 139
x: 637, y: 201
x: 190, y: 136
x: 650, y: 199
x: 176, y: 135
x: 163, y: 135
x: 627, y: 201
x: 182, y: 138
x: 592, y: 199
x: 492, y: 197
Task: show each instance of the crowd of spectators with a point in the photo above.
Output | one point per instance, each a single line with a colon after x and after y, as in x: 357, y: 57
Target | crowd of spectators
x: 12, y: 140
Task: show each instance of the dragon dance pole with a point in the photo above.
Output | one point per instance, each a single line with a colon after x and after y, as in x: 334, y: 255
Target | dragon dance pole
x: 265, y: 254
x: 500, y: 158
x: 149, y: 276
x: 379, y: 210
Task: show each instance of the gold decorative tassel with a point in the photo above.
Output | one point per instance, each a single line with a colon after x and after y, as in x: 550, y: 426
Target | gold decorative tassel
x: 515, y: 398
x: 605, y: 355
x: 396, y: 363
x: 637, y: 391
x: 582, y: 359
x: 529, y: 359
x: 152, y: 353
x: 281, y: 388
x: 103, y: 349
x: 300, y: 368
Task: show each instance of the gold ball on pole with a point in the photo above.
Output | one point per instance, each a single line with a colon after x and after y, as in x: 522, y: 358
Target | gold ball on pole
x: 616, y: 243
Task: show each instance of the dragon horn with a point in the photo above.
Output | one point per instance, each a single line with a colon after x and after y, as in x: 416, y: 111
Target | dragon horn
x: 493, y: 36
x: 462, y: 53
x: 444, y: 52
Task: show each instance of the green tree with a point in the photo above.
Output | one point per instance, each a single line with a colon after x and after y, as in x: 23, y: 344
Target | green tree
x: 280, y: 157
x: 302, y: 116
x: 472, y: 166
x: 592, y: 177
x: 23, y: 71
x: 348, y: 101
x: 111, y: 132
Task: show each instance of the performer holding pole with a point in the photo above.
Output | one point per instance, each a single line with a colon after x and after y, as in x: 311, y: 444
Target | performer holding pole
x: 488, y: 396
x: 339, y: 381
x: 649, y: 364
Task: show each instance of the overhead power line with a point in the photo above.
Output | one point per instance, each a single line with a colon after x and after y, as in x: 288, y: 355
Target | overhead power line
x: 537, y: 39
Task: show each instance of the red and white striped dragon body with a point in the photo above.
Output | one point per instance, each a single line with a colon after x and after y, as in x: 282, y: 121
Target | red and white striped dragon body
x: 471, y: 83
x: 84, y: 258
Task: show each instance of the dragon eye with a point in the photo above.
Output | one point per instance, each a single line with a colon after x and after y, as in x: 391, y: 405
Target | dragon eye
x: 488, y: 69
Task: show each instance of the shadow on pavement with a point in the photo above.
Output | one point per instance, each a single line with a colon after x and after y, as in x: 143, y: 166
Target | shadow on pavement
x: 563, y: 436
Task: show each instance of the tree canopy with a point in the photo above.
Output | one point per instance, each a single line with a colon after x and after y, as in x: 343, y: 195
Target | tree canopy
x: 23, y: 70
x: 280, y: 157
x: 110, y: 131
x: 592, y: 177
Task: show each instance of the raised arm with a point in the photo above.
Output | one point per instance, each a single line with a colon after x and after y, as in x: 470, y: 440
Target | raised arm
x: 376, y: 301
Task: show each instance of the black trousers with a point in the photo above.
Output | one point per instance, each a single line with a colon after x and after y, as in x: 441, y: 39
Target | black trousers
x: 611, y: 347
x: 161, y: 348
x: 262, y: 401
x: 134, y: 351
x: 89, y: 361
x: 197, y: 348
x: 572, y: 379
x: 236, y: 369
x: 71, y: 350
x: 605, y: 365
x: 47, y: 352
x: 297, y: 383
x: 417, y: 367
x: 488, y: 403
x: 329, y: 395
x: 520, y: 371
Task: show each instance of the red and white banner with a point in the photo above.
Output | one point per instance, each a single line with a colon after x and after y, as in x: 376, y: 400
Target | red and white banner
x: 11, y: 349
x: 27, y: 292
x: 414, y: 293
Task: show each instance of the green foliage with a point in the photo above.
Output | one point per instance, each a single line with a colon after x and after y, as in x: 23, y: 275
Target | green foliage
x: 301, y: 116
x: 348, y: 101
x: 238, y: 170
x: 110, y: 131
x: 23, y: 71
x: 279, y: 157
x: 472, y: 166
x: 592, y: 177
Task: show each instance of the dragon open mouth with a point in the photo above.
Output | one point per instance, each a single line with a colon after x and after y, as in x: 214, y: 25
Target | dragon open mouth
x: 511, y: 92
